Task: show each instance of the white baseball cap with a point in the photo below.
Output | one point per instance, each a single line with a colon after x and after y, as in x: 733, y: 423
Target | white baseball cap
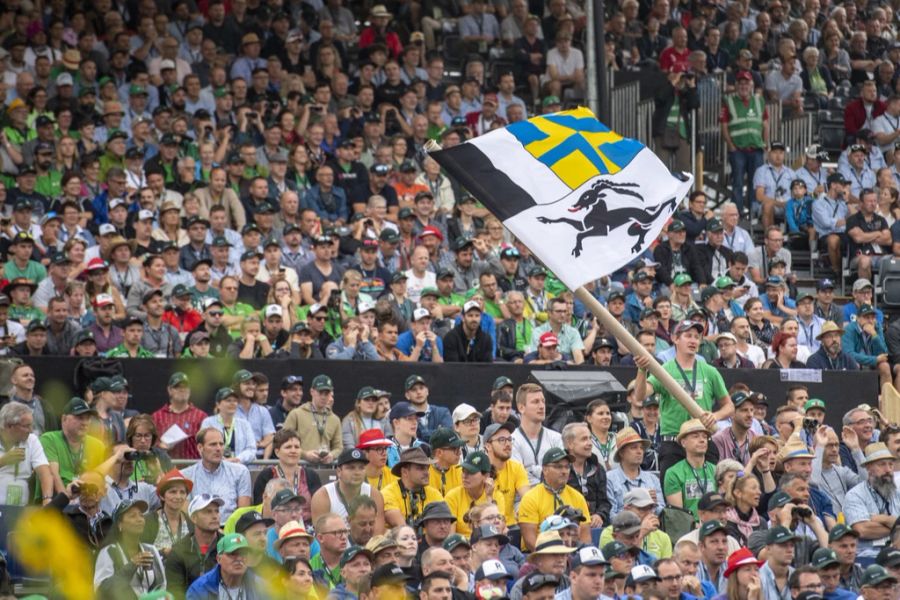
x: 145, y: 214
x: 273, y: 310
x: 471, y: 304
x: 463, y: 412
x: 107, y: 229
x: 419, y: 313
x: 364, y: 307
x: 103, y: 300
x: 201, y: 501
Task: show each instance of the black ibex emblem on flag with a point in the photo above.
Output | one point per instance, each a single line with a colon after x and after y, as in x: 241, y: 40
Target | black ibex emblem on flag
x: 601, y: 220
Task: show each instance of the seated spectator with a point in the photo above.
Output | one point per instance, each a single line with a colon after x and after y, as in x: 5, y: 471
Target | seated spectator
x: 565, y: 68
x: 863, y: 293
x: 863, y: 111
x: 213, y: 475
x: 868, y: 233
x: 863, y: 340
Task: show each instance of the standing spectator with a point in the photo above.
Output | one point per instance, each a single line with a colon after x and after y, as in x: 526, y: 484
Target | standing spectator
x: 319, y: 428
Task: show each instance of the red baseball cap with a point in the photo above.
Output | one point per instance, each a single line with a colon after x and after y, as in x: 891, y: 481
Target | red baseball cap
x: 492, y: 98
x: 743, y: 75
x: 548, y: 338
x: 373, y: 438
x: 431, y: 230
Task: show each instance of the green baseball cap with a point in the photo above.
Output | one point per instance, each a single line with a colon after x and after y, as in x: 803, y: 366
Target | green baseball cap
x: 352, y: 552
x: 454, y: 541
x: 555, y: 454
x: 366, y: 391
x: 681, y: 279
x: 178, y: 378
x: 814, y: 403
x: 413, y: 380
x: 477, y: 462
x: 781, y: 535
x: 874, y: 575
x: 225, y: 392
x: 77, y: 407
x: 232, y: 542
x: 430, y: 291
x: 823, y: 558
x: 724, y: 282
x: 242, y: 376
x: 839, y: 531
x: 321, y: 383
x: 801, y: 296
x: 501, y: 382
x: 710, y: 527
x: 444, y: 437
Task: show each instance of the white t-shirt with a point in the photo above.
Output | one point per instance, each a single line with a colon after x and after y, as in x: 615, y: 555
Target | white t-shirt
x: 14, y: 478
x: 415, y: 285
x: 565, y: 67
x: 531, y: 452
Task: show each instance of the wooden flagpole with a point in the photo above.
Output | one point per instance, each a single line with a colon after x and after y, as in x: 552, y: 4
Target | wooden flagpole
x: 624, y: 336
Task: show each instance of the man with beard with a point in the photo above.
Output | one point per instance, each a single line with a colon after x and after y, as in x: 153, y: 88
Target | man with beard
x: 586, y: 474
x: 406, y: 498
x: 830, y: 356
x: 336, y: 496
x: 212, y: 326
x: 291, y: 398
x: 437, y: 524
x: 871, y: 507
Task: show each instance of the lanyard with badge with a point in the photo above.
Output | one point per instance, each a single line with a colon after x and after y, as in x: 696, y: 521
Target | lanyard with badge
x: 536, y: 448
x: 692, y: 384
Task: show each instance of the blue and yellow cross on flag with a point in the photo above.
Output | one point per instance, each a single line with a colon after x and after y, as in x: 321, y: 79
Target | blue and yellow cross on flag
x: 583, y: 198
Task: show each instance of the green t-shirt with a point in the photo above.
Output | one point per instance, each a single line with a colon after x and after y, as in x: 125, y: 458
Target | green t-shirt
x: 709, y: 388
x: 238, y: 310
x: 71, y: 464
x: 691, y: 483
x: 33, y: 271
x: 453, y: 299
x: 50, y: 184
x: 25, y: 314
x: 121, y: 351
x: 332, y: 576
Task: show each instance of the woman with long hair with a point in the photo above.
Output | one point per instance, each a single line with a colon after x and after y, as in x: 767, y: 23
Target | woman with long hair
x: 98, y: 282
x: 399, y: 149
x: 464, y: 223
x: 67, y: 158
x: 328, y: 63
x: 784, y: 350
x: 599, y: 420
x: 496, y: 234
x: 170, y: 523
x: 834, y: 57
x: 126, y: 565
x: 170, y: 229
x: 888, y: 205
x: 407, y: 545
x: 281, y: 293
x: 300, y: 169
x: 142, y: 436
x: 303, y: 482
x: 362, y: 417
x: 743, y: 495
x: 761, y: 329
x: 36, y: 101
x: 763, y: 460
x: 75, y: 295
x: 240, y: 442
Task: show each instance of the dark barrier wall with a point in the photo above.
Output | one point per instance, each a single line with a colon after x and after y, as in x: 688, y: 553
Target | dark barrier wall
x: 450, y: 384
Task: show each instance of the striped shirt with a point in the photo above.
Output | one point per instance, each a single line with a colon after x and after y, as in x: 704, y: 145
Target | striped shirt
x: 189, y: 421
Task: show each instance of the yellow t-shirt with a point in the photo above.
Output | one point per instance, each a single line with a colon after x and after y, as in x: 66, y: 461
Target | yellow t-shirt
x: 394, y: 500
x: 460, y: 502
x: 538, y: 504
x: 452, y: 479
x: 384, y: 479
x: 509, y: 479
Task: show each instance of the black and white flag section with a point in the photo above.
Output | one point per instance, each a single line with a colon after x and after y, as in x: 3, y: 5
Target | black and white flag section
x: 583, y: 198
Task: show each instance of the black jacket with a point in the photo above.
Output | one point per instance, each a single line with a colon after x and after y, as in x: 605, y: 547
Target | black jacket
x: 458, y: 349
x: 690, y: 260
x: 594, y: 488
x: 185, y: 564
x: 665, y: 97
x: 94, y: 536
x: 506, y: 341
x: 706, y: 253
x: 218, y: 342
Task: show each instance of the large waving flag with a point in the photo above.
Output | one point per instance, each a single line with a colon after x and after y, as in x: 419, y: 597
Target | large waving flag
x: 583, y: 198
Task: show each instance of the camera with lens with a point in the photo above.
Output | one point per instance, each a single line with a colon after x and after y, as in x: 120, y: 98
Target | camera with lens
x: 134, y: 455
x: 801, y: 513
x: 334, y: 300
x: 810, y: 425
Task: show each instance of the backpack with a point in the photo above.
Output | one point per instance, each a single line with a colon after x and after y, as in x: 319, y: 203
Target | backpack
x: 676, y: 522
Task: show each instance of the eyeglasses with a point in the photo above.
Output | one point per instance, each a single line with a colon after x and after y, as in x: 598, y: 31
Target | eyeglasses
x: 502, y: 440
x: 216, y: 313
x: 863, y: 421
x: 378, y: 450
x: 288, y: 509
x: 471, y: 420
x: 337, y: 532
x: 672, y: 578
x: 142, y: 436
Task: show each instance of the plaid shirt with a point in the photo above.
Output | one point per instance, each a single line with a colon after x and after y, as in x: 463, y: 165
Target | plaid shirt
x: 188, y: 420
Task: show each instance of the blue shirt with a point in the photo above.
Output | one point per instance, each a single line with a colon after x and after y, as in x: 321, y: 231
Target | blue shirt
x: 860, y: 503
x: 259, y: 418
x: 776, y: 183
x: 406, y: 342
x: 864, y: 178
x: 617, y: 484
x: 851, y: 308
x: 229, y: 481
x: 826, y: 212
x: 764, y: 298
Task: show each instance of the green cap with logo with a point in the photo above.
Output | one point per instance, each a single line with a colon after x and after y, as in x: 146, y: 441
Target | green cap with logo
x: 477, y: 462
x: 682, y: 279
x: 875, y: 575
x: 367, y: 391
x: 444, y: 437
x: 413, y: 380
x: 555, y: 454
x: 232, y: 542
x: 178, y: 378
x: 841, y: 530
x: 322, y: 383
x: 824, y: 558
x: 454, y: 541
x: 710, y: 527
x: 724, y: 282
x: 780, y: 535
x: 814, y: 403
x: 242, y: 376
x: 352, y: 552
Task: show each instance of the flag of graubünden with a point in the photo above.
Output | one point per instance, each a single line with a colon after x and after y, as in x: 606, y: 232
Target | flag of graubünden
x: 583, y: 198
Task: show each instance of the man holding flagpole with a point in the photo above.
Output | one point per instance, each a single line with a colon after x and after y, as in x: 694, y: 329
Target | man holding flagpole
x: 700, y: 379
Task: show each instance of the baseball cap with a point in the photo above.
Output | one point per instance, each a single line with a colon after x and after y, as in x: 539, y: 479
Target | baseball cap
x: 322, y: 383
x: 232, y: 542
x: 201, y: 501
x: 444, y: 437
x: 249, y: 519
x: 493, y: 570
x: 351, y: 455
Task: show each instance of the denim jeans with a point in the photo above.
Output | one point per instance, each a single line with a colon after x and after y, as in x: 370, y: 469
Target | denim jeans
x: 744, y: 164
